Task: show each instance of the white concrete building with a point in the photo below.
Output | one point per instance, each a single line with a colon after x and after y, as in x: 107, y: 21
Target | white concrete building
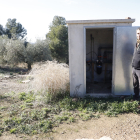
x: 100, y: 55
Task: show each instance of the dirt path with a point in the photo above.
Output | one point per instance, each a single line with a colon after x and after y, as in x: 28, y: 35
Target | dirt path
x: 123, y: 127
x: 12, y: 83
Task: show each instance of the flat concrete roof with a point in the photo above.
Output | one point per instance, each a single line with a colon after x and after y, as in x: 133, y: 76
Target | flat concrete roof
x: 100, y: 21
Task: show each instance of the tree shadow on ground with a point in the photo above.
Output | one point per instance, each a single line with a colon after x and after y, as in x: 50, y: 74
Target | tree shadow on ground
x: 5, y: 69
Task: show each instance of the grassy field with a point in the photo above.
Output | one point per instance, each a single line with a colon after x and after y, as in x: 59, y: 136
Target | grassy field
x: 20, y: 114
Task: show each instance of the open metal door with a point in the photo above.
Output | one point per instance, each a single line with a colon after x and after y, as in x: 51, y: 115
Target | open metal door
x: 125, y: 41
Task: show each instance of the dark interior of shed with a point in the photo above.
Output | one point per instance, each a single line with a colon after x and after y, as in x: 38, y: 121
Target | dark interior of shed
x: 99, y: 60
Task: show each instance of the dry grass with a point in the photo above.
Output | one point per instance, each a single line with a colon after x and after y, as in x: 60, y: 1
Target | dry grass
x: 50, y: 78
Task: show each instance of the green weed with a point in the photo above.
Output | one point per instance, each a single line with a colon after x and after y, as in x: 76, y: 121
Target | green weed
x: 59, y: 119
x: 45, y: 112
x: 36, y: 115
x: 34, y: 132
x: 45, y: 126
x: 22, y: 96
x: 27, y: 97
x: 3, y: 107
x: 71, y: 119
x: 23, y: 107
x: 2, y: 97
x: 13, y: 130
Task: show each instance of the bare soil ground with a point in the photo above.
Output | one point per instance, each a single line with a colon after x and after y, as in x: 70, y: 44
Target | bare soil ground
x: 12, y: 83
x: 123, y: 127
x: 11, y: 80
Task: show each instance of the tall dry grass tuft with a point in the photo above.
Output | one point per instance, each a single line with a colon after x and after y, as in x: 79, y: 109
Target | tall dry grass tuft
x: 50, y: 78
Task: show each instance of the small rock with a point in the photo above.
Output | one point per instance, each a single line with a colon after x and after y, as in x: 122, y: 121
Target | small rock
x: 6, y: 76
x: 63, y: 132
x: 26, y: 81
x: 75, y: 99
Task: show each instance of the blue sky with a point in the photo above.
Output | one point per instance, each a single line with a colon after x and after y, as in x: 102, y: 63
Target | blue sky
x: 37, y: 15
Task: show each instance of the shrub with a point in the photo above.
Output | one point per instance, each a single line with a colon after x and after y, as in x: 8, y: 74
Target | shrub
x: 50, y: 79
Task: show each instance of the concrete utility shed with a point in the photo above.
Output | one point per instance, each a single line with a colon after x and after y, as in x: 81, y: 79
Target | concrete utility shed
x: 100, y: 55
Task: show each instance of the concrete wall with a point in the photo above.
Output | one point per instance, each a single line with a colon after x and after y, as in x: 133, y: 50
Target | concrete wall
x: 76, y: 59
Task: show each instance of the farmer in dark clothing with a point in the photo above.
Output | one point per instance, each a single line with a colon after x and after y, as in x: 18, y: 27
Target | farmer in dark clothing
x: 136, y: 68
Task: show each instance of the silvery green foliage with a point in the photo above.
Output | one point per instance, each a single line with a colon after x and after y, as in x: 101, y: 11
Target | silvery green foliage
x: 15, y: 51
x: 3, y: 42
x: 38, y: 51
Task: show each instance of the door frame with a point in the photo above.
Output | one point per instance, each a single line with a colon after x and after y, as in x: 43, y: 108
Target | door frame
x: 114, y: 43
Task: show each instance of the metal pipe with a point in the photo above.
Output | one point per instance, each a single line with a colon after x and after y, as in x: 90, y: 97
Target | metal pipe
x: 91, y: 47
x: 93, y: 63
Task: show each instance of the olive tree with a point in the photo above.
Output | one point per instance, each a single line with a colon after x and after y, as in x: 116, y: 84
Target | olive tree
x: 3, y: 42
x: 14, y: 51
x: 37, y: 52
